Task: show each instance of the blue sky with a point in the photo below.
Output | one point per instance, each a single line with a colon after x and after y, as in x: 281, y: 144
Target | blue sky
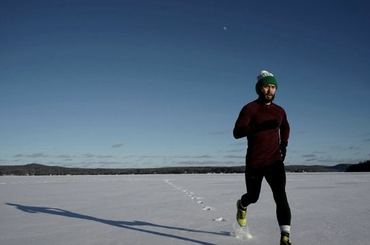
x: 121, y: 84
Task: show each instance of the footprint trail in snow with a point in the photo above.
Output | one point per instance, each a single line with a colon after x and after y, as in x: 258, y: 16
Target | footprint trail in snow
x: 199, y: 200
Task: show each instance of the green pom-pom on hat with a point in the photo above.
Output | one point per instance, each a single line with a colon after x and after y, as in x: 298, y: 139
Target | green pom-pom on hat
x: 265, y: 78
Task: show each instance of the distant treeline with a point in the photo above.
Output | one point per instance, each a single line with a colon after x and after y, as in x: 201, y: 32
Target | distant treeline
x: 361, y: 167
x: 38, y: 169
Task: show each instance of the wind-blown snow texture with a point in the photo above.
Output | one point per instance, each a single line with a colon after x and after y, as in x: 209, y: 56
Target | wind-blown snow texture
x: 179, y: 209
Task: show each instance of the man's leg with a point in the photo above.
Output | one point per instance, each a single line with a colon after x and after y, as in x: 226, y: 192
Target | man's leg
x: 276, y: 178
x: 253, y: 180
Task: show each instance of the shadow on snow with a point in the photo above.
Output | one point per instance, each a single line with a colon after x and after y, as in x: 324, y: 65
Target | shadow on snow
x: 131, y: 225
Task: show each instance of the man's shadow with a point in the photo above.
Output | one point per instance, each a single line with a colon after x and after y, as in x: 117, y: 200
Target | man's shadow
x: 131, y: 225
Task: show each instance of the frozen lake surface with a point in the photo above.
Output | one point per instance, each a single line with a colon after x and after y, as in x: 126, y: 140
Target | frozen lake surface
x: 327, y: 208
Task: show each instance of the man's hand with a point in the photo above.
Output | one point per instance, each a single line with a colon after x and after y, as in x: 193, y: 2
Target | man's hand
x: 283, y: 146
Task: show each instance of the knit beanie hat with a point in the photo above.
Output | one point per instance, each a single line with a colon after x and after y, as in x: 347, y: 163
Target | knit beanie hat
x: 265, y: 78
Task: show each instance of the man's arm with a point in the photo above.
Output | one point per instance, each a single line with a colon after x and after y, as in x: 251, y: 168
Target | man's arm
x: 284, y: 130
x: 284, y: 136
x: 242, y: 127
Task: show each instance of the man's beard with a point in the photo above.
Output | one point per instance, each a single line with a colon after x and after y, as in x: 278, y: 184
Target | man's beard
x: 265, y: 98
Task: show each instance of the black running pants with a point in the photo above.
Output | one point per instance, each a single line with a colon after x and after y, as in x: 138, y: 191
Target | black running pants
x: 276, y: 178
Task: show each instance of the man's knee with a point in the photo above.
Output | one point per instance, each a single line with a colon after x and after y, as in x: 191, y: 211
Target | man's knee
x: 281, y: 199
x: 250, y: 198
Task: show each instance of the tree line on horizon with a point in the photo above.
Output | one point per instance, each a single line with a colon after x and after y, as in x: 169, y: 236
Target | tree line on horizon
x: 360, y: 167
x: 39, y: 169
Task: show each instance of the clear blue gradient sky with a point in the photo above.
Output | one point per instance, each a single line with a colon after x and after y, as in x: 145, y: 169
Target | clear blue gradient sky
x: 142, y: 83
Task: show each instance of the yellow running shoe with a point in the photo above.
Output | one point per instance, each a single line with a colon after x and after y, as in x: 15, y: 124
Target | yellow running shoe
x: 285, y: 239
x: 241, y: 215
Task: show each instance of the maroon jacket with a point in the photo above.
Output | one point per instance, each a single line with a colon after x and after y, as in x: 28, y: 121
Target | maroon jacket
x: 266, y: 127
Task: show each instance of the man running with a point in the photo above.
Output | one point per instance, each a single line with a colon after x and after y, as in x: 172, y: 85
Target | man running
x: 267, y: 129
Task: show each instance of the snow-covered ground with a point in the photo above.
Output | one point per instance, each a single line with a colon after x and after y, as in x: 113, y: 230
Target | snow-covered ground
x: 327, y: 208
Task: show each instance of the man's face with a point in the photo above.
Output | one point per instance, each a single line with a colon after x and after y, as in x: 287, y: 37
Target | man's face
x: 268, y: 92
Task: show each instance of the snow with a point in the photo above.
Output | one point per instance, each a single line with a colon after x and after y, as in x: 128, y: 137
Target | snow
x: 327, y: 208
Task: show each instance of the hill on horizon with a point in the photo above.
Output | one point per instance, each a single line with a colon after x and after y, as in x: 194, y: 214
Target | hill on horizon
x: 40, y: 169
